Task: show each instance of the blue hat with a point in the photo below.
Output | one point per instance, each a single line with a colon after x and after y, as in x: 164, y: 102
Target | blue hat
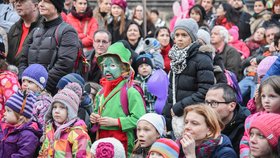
x: 37, y: 74
x: 70, y: 78
x: 22, y: 103
x: 144, y: 58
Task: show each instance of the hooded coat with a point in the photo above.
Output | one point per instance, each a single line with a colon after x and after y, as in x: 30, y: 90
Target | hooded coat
x: 21, y: 141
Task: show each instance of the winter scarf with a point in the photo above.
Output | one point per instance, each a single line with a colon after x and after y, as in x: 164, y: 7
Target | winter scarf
x: 178, y: 58
x: 108, y: 86
x: 62, y: 127
x: 207, y: 148
x: 88, y: 14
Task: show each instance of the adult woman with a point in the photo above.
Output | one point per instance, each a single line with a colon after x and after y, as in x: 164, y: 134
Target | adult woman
x: 191, y: 70
x: 163, y: 35
x: 202, y: 134
x: 197, y: 12
x: 208, y: 5
x: 260, y: 15
x: 102, y: 13
x: 117, y: 26
x: 226, y: 15
x: 138, y: 17
x: 134, y: 36
x: 83, y: 22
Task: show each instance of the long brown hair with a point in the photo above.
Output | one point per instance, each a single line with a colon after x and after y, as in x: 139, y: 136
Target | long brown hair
x: 122, y: 22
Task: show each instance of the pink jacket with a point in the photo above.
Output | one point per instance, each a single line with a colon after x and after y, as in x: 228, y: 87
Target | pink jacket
x: 8, y: 86
x: 241, y: 47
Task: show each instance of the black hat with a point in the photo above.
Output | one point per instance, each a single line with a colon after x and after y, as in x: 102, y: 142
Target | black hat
x: 144, y: 58
x: 59, y: 4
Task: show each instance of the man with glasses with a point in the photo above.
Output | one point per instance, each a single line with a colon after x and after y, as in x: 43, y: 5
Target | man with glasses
x: 29, y: 19
x: 222, y: 98
x: 102, y: 40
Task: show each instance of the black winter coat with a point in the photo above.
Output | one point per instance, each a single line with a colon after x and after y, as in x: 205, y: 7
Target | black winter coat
x: 235, y: 128
x: 244, y: 25
x: 14, y: 37
x: 41, y: 46
x: 191, y: 84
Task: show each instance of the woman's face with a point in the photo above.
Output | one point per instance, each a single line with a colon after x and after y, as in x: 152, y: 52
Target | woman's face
x: 116, y: 10
x: 258, y: 7
x: 133, y: 32
x: 195, y: 15
x: 182, y: 38
x: 80, y: 6
x: 105, y: 6
x: 259, y: 34
x: 196, y: 126
x: 146, y: 133
x: 163, y: 37
x: 277, y: 9
x: 270, y: 99
x: 139, y: 12
x: 207, y: 5
x: 220, y: 11
x: 259, y: 146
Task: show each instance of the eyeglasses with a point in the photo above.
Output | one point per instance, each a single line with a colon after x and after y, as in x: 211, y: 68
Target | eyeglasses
x: 101, y: 41
x: 215, y: 104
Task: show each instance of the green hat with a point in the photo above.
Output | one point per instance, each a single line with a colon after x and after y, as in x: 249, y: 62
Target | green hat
x: 119, y: 50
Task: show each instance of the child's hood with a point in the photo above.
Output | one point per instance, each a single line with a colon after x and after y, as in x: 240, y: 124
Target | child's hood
x: 80, y: 124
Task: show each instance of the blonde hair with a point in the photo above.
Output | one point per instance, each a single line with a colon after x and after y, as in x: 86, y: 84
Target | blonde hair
x: 212, y: 119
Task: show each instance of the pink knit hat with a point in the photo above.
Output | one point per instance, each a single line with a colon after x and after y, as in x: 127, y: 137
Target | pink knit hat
x: 269, y: 126
x: 234, y: 33
x: 265, y: 64
x: 121, y: 3
x: 70, y: 97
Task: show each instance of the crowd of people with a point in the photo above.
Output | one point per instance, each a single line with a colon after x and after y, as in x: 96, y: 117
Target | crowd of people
x: 205, y: 84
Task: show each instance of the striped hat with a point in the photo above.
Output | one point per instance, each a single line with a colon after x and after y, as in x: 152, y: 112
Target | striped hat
x: 166, y: 147
x: 22, y: 103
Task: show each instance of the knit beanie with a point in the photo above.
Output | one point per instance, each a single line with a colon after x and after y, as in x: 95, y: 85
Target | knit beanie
x: 22, y: 103
x: 234, y: 33
x: 189, y: 25
x: 269, y: 126
x: 144, y: 58
x: 58, y: 4
x: 37, y: 74
x: 151, y: 45
x: 108, y: 147
x: 265, y: 64
x: 70, y: 97
x: 166, y: 147
x: 204, y: 36
x: 120, y: 3
x: 70, y: 78
x: 156, y: 120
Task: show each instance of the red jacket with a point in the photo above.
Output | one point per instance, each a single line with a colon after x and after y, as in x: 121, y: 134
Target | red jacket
x: 85, y: 25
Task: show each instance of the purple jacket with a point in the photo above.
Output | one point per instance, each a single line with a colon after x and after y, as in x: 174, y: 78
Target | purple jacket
x: 19, y: 142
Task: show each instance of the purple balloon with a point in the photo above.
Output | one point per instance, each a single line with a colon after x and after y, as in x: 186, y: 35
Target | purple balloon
x: 158, y: 86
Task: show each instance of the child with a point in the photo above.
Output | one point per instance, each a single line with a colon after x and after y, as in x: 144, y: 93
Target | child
x: 268, y: 101
x: 109, y: 118
x: 107, y: 148
x: 239, y: 45
x: 8, y: 81
x: 264, y: 134
x: 19, y: 135
x: 65, y: 134
x: 150, y: 127
x: 144, y: 67
x: 34, y: 78
x: 164, y: 148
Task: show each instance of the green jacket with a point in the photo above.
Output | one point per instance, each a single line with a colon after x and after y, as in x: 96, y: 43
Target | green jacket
x: 114, y: 109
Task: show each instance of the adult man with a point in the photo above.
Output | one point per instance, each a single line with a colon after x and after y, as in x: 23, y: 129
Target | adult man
x: 8, y: 16
x: 41, y: 46
x: 102, y: 40
x: 243, y: 18
x: 231, y: 57
x: 222, y: 98
x: 30, y: 18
